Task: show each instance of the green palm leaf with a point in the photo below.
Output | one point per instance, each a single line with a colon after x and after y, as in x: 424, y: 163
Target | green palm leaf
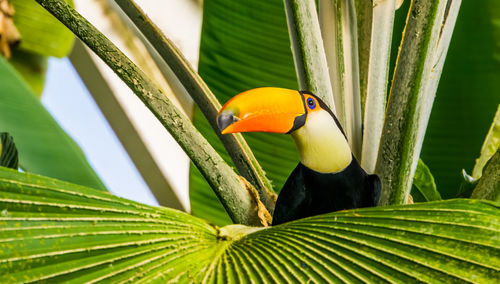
x: 56, y: 231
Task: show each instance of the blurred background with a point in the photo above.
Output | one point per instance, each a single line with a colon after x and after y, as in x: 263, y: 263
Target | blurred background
x: 74, y: 95
x: 125, y: 145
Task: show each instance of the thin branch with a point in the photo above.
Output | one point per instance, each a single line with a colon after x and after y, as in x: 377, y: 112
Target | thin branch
x: 236, y: 146
x: 308, y: 51
x: 223, y: 180
x: 426, y: 39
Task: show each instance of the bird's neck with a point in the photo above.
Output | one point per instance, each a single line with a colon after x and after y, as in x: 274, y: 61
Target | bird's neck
x: 321, y: 145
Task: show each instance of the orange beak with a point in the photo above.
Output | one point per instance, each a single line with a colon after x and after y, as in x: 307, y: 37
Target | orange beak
x: 263, y: 110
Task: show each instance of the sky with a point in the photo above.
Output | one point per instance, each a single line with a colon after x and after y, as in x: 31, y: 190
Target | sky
x: 67, y: 99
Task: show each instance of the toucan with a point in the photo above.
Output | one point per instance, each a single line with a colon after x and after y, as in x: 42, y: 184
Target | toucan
x: 328, y: 177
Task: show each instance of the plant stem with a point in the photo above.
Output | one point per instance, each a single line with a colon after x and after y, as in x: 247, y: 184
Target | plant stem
x: 223, y: 180
x: 489, y: 184
x: 339, y: 30
x: 427, y: 35
x: 235, y: 144
x: 364, y: 17
x: 376, y: 89
x: 308, y: 51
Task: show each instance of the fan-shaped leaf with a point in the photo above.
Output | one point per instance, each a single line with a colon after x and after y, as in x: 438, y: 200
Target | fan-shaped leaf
x: 56, y: 231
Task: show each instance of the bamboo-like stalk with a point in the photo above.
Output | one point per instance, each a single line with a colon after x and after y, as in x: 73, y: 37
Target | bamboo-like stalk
x: 223, y: 180
x: 488, y: 186
x: 339, y: 31
x: 426, y: 39
x: 235, y: 144
x: 364, y: 16
x: 378, y: 73
x: 308, y: 51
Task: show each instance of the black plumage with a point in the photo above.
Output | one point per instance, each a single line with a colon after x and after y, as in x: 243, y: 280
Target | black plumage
x: 307, y: 192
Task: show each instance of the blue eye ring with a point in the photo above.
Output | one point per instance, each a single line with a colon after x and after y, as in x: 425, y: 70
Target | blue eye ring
x: 311, y: 103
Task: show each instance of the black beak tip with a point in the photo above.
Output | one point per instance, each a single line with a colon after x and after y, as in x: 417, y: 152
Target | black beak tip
x: 225, y: 119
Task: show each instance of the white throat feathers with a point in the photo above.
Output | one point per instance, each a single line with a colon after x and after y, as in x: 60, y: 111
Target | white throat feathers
x: 321, y: 145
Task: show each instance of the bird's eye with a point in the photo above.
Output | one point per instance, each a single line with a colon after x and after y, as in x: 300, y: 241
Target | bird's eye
x: 311, y: 103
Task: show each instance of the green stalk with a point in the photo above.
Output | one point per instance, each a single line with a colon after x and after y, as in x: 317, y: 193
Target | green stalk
x: 487, y: 167
x: 235, y: 144
x: 339, y: 31
x: 223, y: 180
x: 488, y: 186
x: 378, y: 73
x: 427, y: 35
x: 364, y: 17
x: 308, y: 51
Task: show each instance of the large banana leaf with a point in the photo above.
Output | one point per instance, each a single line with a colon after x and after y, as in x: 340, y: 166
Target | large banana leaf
x: 41, y: 36
x: 244, y: 45
x: 468, y: 93
x: 43, y: 146
x: 56, y: 231
x: 32, y: 67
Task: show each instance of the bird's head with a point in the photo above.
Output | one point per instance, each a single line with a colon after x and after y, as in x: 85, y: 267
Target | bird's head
x: 320, y: 140
x: 268, y: 109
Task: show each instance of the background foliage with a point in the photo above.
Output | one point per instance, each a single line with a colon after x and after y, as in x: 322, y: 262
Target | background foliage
x: 468, y: 93
x: 43, y: 146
